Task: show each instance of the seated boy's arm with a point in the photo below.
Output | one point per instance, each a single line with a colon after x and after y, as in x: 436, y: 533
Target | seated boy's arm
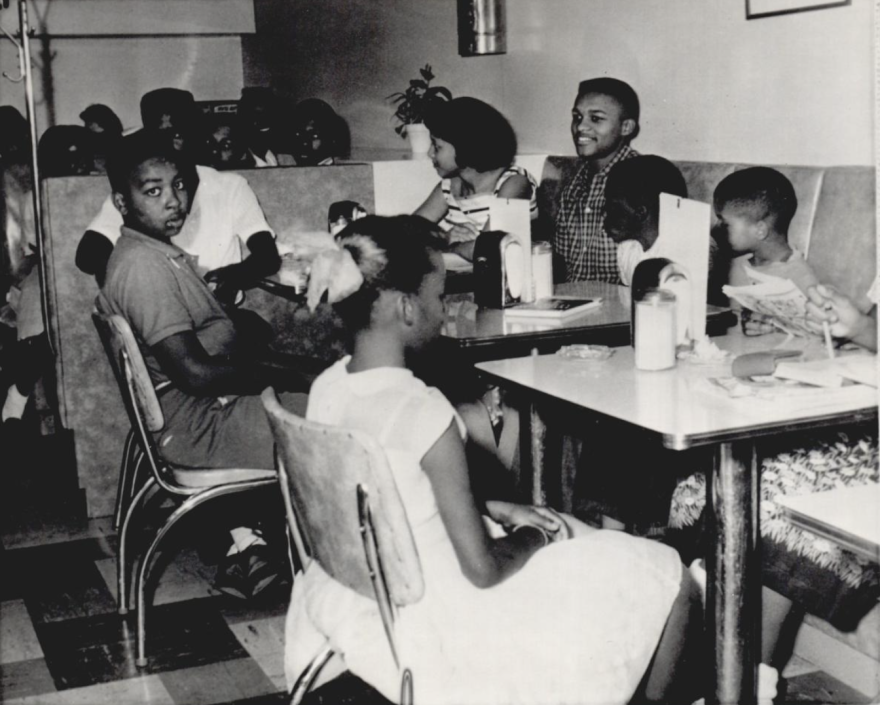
x: 262, y: 261
x: 190, y: 369
x: 92, y: 254
x: 264, y: 258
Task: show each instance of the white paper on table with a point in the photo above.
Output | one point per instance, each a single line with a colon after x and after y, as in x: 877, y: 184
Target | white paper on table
x: 511, y: 215
x: 684, y: 238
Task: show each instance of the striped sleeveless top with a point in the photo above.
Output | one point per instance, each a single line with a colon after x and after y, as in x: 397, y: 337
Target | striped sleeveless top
x: 475, y: 209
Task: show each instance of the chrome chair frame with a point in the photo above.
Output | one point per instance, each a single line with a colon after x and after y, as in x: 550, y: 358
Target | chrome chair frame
x: 145, y: 413
x: 390, y: 590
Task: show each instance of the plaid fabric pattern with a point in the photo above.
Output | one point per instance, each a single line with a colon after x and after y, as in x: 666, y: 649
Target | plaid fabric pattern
x: 580, y: 239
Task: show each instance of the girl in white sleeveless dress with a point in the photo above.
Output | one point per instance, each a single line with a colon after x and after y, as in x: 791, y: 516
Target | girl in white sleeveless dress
x: 536, y: 609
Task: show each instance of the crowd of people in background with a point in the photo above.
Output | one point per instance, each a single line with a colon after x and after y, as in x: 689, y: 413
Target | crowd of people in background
x: 260, y: 132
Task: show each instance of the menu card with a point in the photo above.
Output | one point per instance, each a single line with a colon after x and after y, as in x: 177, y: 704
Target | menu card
x: 684, y: 239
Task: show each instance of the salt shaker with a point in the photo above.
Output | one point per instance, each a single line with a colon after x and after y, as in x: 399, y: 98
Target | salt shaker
x: 542, y: 270
x: 655, y: 330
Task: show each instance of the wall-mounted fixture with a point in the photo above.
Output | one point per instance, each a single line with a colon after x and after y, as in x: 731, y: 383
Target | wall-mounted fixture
x: 482, y: 27
x: 755, y: 9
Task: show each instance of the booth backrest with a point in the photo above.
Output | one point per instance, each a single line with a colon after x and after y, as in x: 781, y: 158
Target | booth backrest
x: 835, y: 223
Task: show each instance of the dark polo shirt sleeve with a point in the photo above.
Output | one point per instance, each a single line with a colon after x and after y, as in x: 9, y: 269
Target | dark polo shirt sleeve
x: 153, y: 285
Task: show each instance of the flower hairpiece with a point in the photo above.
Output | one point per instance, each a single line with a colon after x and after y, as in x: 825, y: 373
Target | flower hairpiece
x: 335, y: 272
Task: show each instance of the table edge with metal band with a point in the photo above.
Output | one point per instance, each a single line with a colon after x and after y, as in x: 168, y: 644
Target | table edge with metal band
x: 806, y: 518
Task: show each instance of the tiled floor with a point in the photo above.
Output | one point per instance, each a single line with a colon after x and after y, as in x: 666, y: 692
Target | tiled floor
x: 63, y: 643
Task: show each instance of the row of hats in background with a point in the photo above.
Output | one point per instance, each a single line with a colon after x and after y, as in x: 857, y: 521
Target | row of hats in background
x: 257, y: 130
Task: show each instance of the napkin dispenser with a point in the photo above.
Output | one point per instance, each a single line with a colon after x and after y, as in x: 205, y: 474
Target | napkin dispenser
x: 499, y: 270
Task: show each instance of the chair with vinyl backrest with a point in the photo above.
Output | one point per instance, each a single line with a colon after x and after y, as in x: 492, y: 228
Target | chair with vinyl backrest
x: 194, y: 486
x: 344, y: 512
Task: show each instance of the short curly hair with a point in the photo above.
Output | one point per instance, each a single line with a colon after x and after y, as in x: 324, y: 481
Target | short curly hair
x: 483, y: 138
x: 643, y: 178
x: 139, y: 147
x: 764, y: 192
x: 621, y: 92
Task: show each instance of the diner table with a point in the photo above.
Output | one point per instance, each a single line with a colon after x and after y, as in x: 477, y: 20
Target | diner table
x: 491, y: 334
x: 680, y: 408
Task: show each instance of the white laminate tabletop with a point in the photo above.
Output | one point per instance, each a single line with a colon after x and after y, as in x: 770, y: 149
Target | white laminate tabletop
x: 679, y: 403
x: 849, y: 516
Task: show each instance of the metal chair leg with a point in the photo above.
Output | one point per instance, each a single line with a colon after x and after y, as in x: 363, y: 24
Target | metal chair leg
x: 406, y: 687
x: 146, y: 561
x: 121, y: 563
x: 139, y: 461
x: 307, y: 677
x: 122, y: 488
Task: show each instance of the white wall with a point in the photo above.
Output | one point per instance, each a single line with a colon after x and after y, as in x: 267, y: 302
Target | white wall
x: 128, y: 17
x: 791, y: 89
x: 73, y: 70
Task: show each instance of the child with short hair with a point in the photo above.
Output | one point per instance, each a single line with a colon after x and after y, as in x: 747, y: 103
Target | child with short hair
x: 548, y: 610
x: 632, y: 216
x: 632, y: 207
x: 224, y: 148
x: 800, y: 572
x: 754, y: 207
x: 605, y: 119
x: 209, y: 379
x: 473, y: 147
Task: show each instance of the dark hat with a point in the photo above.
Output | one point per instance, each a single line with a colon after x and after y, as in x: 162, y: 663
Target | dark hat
x: 257, y: 96
x: 167, y: 101
x: 64, y: 151
x: 102, y: 115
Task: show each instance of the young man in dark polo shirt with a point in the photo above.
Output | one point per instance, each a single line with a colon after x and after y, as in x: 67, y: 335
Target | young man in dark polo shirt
x: 209, y: 384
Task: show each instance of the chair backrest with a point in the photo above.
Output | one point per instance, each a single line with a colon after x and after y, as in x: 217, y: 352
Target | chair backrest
x: 131, y: 374
x: 321, y: 468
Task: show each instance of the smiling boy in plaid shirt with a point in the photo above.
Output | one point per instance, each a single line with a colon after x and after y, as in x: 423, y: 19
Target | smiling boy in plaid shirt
x: 605, y: 119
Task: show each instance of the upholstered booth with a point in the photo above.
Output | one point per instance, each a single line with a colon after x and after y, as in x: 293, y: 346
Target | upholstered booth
x: 834, y: 226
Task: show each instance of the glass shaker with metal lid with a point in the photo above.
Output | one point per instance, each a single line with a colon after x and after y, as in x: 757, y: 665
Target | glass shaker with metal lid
x: 655, y: 330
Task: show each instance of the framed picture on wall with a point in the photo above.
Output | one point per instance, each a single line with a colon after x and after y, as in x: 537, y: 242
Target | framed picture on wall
x: 755, y: 9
